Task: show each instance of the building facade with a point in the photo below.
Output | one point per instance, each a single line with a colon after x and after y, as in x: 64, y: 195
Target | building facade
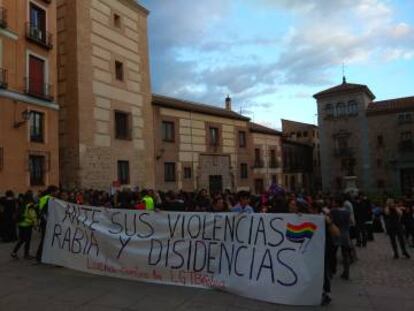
x: 372, y: 141
x: 297, y: 166
x: 105, y: 129
x: 200, y: 146
x: 307, y: 134
x: 28, y: 107
x: 267, y: 157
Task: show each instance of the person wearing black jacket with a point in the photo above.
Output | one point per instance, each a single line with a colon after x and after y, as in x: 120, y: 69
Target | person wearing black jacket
x: 9, y: 229
x: 362, y: 212
x: 393, y: 214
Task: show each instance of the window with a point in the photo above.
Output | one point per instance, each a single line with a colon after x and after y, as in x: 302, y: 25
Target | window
x: 36, y: 126
x: 341, y: 143
x: 168, y: 131
x: 380, y: 141
x: 187, y: 173
x: 329, y: 110
x: 406, y: 136
x: 37, y: 170
x: 406, y: 142
x: 119, y: 71
x: 123, y: 172
x: 299, y: 134
x: 117, y: 21
x: 341, y: 109
x: 305, y: 134
x: 242, y: 139
x: 404, y: 118
x: 36, y: 81
x: 274, y: 179
x: 214, y: 136
x: 273, y: 161
x: 379, y: 163
x: 122, y: 125
x: 169, y: 172
x: 380, y: 183
x: 352, y: 107
x: 37, y: 22
x: 257, y: 158
x: 244, y: 171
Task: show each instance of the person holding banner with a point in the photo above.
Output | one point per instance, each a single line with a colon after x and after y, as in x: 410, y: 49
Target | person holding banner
x: 52, y: 191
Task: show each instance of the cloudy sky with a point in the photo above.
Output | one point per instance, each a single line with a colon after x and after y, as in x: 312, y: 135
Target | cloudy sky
x: 271, y: 56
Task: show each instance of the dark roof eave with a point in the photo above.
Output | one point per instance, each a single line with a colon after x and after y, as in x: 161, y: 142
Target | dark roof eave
x: 275, y: 133
x: 162, y: 101
x: 257, y: 128
x: 329, y: 92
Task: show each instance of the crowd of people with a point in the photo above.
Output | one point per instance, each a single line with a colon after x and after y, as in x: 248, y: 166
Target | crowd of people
x: 350, y: 220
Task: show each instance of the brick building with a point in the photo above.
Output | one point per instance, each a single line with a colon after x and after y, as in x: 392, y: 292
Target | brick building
x: 105, y: 94
x: 370, y: 140
x: 307, y: 134
x: 28, y: 108
x: 297, y: 166
x: 267, y: 157
x: 201, y: 146
x: 91, y: 57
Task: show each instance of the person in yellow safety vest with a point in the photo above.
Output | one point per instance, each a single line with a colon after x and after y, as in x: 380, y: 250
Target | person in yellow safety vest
x: 52, y: 191
x: 27, y: 220
x: 148, y: 200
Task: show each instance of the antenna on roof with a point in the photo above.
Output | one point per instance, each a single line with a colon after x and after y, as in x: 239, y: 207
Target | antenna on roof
x: 343, y: 73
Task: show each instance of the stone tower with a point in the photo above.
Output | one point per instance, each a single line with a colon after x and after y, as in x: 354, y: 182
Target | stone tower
x: 344, y: 135
x: 106, y: 125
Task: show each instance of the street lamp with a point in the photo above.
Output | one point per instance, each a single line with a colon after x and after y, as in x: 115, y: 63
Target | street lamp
x: 25, y: 118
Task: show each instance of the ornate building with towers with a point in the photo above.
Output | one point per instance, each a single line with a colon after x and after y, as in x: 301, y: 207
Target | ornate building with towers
x: 370, y: 140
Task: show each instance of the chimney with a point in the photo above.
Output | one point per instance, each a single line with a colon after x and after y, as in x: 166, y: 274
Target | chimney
x: 228, y: 103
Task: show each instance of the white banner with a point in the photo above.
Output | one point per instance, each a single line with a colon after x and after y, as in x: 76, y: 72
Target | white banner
x: 277, y: 258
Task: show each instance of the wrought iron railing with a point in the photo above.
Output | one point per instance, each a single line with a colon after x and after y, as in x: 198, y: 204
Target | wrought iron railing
x: 3, y: 17
x: 40, y: 36
x: 38, y: 89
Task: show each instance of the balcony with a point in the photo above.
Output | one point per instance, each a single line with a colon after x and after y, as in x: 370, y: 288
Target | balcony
x: 39, y: 36
x: 38, y: 89
x: 3, y: 18
x: 343, y: 152
x: 406, y: 146
x: 258, y: 163
x: 273, y: 164
x: 3, y: 78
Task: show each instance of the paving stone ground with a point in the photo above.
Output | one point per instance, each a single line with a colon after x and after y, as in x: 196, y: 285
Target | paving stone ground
x: 378, y: 282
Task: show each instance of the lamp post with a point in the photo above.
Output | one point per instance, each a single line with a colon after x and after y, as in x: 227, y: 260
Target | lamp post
x: 25, y: 118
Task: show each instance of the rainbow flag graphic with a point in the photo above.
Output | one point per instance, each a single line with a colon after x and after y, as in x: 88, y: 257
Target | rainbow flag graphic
x: 299, y: 233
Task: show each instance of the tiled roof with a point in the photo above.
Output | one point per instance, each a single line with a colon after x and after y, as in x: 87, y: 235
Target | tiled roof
x: 299, y: 124
x: 185, y: 105
x: 345, y: 88
x: 257, y: 128
x: 403, y: 104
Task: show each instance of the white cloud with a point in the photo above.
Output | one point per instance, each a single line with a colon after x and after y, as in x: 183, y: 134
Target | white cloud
x: 193, y: 58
